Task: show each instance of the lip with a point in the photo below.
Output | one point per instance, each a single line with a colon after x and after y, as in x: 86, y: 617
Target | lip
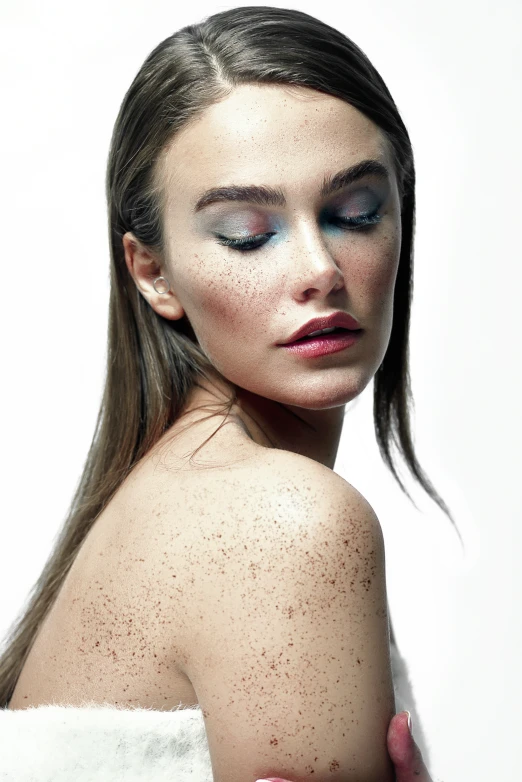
x: 322, y: 346
x: 340, y: 319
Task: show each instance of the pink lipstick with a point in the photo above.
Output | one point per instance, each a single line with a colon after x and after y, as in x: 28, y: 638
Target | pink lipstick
x: 309, y: 347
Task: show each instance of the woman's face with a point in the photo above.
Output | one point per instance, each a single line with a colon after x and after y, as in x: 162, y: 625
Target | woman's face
x: 242, y: 303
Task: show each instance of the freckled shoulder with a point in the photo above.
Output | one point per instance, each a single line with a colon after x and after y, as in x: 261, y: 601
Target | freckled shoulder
x: 288, y: 475
x: 287, y: 629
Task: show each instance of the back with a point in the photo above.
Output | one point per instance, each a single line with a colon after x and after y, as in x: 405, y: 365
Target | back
x: 286, y: 633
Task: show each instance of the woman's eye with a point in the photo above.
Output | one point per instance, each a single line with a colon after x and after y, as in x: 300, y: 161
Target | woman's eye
x: 358, y: 223
x: 250, y: 243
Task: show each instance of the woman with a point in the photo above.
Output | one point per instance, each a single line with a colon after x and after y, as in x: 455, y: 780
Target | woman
x: 260, y: 188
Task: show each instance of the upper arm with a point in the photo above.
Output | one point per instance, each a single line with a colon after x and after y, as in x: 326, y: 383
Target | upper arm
x: 290, y: 656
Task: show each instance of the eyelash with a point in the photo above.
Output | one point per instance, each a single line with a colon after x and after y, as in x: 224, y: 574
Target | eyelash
x: 359, y: 223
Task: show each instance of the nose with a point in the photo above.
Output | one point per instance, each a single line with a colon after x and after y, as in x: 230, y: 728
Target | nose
x: 316, y: 270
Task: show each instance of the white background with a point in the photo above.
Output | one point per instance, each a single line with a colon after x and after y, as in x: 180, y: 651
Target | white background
x: 454, y: 70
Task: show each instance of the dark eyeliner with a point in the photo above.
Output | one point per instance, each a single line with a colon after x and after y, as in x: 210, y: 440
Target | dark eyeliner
x: 238, y: 244
x: 364, y: 221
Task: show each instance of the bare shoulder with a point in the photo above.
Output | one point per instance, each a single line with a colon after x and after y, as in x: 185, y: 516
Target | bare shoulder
x: 287, y: 630
x: 301, y: 482
x: 289, y: 499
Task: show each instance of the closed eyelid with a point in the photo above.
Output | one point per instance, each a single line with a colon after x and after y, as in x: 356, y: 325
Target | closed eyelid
x: 257, y: 219
x: 270, y: 227
x: 364, y: 197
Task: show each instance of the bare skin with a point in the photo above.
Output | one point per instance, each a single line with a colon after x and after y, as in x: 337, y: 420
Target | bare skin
x: 405, y: 754
x: 242, y: 304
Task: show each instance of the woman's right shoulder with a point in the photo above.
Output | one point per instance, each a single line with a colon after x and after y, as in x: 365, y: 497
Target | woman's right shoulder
x: 283, y: 497
x: 298, y: 480
x: 286, y: 631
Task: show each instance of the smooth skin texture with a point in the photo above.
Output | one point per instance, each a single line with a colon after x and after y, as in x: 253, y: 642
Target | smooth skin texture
x: 318, y: 556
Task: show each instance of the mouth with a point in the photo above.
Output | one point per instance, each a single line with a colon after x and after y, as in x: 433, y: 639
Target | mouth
x: 340, y: 322
x: 307, y: 347
x: 339, y: 331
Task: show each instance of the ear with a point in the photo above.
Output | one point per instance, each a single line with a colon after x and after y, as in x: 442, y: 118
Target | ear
x: 144, y: 267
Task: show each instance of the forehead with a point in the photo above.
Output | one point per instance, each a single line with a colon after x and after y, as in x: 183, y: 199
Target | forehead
x: 269, y: 134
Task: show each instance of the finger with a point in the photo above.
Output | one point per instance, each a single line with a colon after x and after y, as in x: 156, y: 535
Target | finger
x: 273, y: 779
x: 405, y: 754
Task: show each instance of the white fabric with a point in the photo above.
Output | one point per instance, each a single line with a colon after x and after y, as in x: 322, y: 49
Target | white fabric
x: 98, y: 743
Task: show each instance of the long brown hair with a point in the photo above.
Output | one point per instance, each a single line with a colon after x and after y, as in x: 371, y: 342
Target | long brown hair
x: 153, y: 363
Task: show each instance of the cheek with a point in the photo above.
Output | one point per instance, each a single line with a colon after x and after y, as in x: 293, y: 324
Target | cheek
x: 377, y: 267
x: 226, y: 296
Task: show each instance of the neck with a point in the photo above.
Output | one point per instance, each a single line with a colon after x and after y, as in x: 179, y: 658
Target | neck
x: 312, y: 433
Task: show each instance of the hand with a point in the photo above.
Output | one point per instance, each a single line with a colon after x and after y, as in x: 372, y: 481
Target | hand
x: 404, y: 753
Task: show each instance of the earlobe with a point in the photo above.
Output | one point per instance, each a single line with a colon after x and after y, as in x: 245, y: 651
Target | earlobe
x: 163, y: 300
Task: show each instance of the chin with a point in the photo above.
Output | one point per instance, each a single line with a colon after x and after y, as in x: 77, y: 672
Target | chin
x: 326, y: 400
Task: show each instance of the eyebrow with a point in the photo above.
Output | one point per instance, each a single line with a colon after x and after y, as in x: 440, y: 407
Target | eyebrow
x: 264, y: 195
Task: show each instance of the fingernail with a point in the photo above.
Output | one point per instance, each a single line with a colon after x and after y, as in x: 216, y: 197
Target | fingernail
x: 409, y: 723
x: 272, y: 779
